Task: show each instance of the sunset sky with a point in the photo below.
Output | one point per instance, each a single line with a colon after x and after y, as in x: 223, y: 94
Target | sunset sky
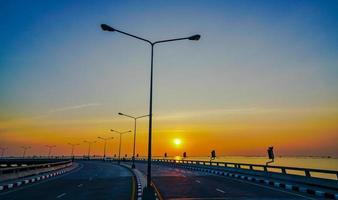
x: 263, y: 73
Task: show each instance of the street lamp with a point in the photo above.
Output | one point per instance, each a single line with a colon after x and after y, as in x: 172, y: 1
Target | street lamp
x: 105, y: 144
x: 50, y: 149
x: 3, y: 149
x: 89, y: 145
x: 105, y: 27
x: 121, y: 133
x: 135, y: 118
x: 25, y: 148
x: 73, y: 146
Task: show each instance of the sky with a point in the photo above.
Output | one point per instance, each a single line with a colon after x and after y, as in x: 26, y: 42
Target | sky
x: 264, y: 73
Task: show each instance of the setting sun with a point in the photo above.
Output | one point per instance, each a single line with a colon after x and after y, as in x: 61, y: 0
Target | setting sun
x: 177, y: 141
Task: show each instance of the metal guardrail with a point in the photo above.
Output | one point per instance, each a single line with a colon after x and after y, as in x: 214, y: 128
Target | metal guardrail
x: 9, y: 170
x: 283, y: 170
x: 17, y: 162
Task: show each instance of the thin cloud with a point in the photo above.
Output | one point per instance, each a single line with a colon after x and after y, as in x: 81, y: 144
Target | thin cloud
x: 241, y: 111
x: 65, y: 109
x: 75, y: 107
x: 51, y: 112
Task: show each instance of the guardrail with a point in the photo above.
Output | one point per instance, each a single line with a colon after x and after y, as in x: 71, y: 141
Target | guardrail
x: 17, y: 162
x: 10, y: 170
x: 308, y: 172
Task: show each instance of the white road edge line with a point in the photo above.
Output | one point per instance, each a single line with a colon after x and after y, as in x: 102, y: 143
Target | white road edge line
x: 267, y: 187
x: 61, y: 195
x: 219, y: 190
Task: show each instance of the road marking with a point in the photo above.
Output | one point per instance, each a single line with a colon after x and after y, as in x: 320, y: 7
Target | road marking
x: 219, y: 190
x: 80, y: 185
x: 197, y: 181
x: 61, y: 195
x: 267, y: 187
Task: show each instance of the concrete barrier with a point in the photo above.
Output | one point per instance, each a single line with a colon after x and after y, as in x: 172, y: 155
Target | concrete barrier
x: 11, y: 173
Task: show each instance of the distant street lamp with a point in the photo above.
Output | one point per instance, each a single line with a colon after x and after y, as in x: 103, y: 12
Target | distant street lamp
x: 135, y: 119
x: 89, y: 145
x: 3, y: 149
x: 50, y: 149
x: 106, y: 27
x: 25, y: 148
x: 105, y: 144
x: 121, y: 133
x: 73, y: 146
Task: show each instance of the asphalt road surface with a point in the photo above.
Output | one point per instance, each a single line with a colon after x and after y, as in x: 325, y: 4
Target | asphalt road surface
x: 91, y: 180
x: 175, y: 183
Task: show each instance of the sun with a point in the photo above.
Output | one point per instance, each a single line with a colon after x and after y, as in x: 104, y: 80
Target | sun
x: 177, y: 141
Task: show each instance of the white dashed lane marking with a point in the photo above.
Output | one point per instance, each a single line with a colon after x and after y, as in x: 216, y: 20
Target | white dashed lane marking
x: 197, y: 181
x: 61, y: 195
x: 80, y: 185
x: 219, y: 190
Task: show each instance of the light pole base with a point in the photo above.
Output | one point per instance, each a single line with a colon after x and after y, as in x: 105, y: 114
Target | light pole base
x: 133, y: 166
x: 149, y: 193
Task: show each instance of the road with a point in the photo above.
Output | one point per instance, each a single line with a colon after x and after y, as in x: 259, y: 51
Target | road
x: 175, y: 183
x: 92, y: 180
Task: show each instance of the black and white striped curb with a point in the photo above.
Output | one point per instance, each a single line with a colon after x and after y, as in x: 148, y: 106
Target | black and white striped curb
x: 17, y: 184
x: 272, y: 183
x: 156, y: 197
x: 139, y: 188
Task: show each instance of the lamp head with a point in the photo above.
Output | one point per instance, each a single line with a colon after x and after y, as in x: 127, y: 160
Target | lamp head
x: 194, y: 37
x: 120, y: 113
x: 105, y: 27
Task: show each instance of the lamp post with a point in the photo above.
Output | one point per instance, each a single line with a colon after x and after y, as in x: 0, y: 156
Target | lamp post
x: 121, y: 133
x: 135, y: 119
x: 24, y: 150
x: 3, y: 149
x: 105, y: 27
x: 73, y: 146
x: 89, y: 145
x: 105, y: 144
x: 50, y: 149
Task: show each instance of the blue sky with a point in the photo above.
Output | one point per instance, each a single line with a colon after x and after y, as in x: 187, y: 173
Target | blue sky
x: 252, y: 54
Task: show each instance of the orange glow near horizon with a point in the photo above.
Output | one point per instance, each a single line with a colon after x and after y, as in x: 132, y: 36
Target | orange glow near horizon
x: 290, y: 134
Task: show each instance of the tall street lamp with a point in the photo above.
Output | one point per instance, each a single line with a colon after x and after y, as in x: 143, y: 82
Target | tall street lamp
x: 105, y: 27
x: 25, y: 148
x: 89, y: 145
x: 135, y: 119
x: 50, y: 149
x: 121, y: 133
x: 73, y: 146
x: 105, y: 144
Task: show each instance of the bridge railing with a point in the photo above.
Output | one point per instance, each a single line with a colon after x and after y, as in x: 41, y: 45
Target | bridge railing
x: 10, y: 170
x: 282, y: 170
